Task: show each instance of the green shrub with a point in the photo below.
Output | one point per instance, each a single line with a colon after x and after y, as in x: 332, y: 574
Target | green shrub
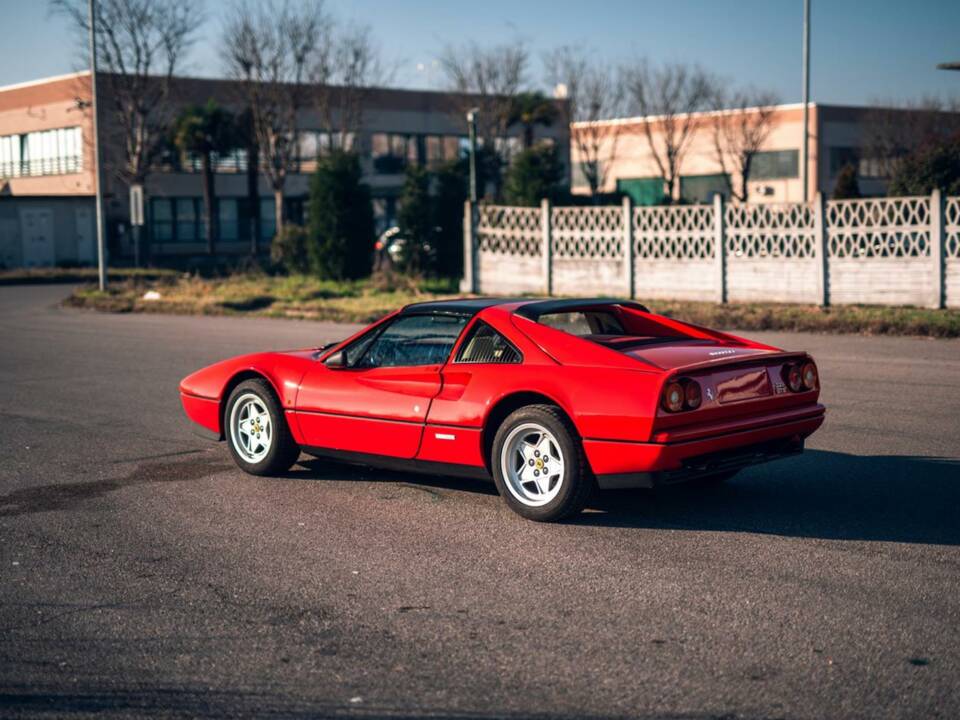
x: 847, y: 187
x: 341, y: 232
x: 289, y: 249
x: 936, y: 165
x: 535, y: 174
x: 451, y: 187
x: 415, y: 220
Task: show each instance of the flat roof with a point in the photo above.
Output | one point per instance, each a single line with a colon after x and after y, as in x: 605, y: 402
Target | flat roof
x: 531, y: 308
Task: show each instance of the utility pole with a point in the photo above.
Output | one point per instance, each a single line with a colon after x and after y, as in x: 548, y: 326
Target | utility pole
x: 98, y: 172
x: 472, y: 129
x: 804, y: 161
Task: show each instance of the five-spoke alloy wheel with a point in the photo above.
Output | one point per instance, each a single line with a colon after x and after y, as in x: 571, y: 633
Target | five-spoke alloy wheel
x: 257, y: 431
x: 250, y: 428
x: 538, y: 464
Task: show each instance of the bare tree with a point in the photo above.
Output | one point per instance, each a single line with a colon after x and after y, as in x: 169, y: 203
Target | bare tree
x: 141, y: 43
x: 489, y: 79
x: 271, y: 49
x: 347, y: 67
x: 892, y: 130
x: 668, y: 96
x: 741, y: 125
x: 594, y: 95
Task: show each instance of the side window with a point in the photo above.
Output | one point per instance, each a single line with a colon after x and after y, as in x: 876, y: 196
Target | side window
x: 355, y: 350
x: 412, y: 340
x: 486, y: 345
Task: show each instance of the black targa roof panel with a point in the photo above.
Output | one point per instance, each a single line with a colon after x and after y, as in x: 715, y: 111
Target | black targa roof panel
x: 534, y: 310
x: 458, y: 306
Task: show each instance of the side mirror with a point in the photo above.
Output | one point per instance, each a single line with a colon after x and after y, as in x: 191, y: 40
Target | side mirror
x: 337, y: 360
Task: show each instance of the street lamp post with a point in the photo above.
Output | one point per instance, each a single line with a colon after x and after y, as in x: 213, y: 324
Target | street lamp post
x: 804, y: 160
x: 98, y: 177
x: 472, y: 129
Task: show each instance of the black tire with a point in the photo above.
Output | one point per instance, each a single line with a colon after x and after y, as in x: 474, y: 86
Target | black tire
x: 283, y: 452
x: 577, y: 483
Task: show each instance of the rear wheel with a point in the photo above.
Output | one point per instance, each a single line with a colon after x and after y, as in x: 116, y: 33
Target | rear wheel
x: 257, y: 432
x: 539, y: 465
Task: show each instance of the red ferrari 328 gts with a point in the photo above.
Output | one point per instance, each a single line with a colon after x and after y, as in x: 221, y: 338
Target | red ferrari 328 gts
x: 553, y: 398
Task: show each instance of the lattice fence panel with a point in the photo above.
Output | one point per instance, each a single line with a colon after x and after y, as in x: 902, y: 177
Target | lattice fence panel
x: 951, y: 227
x: 879, y: 228
x: 774, y: 230
x: 509, y: 230
x: 587, y: 232
x: 673, y: 233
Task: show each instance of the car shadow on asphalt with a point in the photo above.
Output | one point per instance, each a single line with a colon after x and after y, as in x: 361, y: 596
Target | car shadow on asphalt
x: 819, y: 494
x: 327, y: 469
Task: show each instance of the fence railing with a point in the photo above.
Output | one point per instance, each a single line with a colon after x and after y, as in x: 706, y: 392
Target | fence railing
x: 890, y: 251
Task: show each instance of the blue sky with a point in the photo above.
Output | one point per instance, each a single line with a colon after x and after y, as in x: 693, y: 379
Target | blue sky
x: 862, y: 51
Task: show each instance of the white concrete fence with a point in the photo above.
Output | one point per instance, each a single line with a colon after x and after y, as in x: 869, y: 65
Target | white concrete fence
x: 883, y: 251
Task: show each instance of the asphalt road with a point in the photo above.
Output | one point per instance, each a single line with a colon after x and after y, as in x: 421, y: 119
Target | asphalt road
x: 142, y: 575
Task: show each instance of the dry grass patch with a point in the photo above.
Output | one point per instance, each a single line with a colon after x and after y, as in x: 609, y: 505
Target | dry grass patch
x: 301, y: 296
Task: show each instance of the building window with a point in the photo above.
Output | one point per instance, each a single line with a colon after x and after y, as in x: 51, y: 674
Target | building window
x: 176, y: 219
x: 161, y: 220
x: 233, y: 161
x: 775, y: 165
x: 46, y: 152
x: 228, y: 219
x: 703, y: 188
x: 268, y: 219
x: 391, y: 152
x: 189, y: 214
x: 313, y: 144
x: 181, y: 219
x: 841, y: 156
x: 438, y: 149
x: 867, y: 167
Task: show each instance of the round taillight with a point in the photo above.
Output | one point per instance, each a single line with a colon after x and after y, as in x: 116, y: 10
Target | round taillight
x: 692, y: 394
x: 673, y: 397
x: 791, y: 373
x: 809, y: 375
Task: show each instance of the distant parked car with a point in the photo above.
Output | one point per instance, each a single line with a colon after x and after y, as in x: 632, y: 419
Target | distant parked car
x: 552, y: 398
x: 392, y: 247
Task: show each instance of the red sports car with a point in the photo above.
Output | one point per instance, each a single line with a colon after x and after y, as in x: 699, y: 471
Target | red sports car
x: 553, y: 398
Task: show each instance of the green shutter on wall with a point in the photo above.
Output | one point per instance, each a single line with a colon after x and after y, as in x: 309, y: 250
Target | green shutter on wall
x: 643, y: 191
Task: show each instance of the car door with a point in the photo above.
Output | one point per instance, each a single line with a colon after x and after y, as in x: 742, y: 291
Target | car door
x: 374, y: 398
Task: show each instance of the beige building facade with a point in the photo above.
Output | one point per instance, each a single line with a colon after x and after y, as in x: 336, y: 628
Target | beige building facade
x: 47, y: 173
x: 838, y: 136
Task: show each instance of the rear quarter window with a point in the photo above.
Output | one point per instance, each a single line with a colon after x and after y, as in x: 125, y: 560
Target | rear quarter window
x: 486, y: 345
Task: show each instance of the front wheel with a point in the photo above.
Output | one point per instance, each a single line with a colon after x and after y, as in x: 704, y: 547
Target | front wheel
x: 539, y: 465
x: 257, y: 431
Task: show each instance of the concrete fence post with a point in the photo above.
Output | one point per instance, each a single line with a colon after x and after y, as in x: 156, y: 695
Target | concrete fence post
x: 821, y: 249
x: 719, y: 249
x: 628, y: 245
x: 546, y: 250
x: 937, y: 243
x: 470, y: 283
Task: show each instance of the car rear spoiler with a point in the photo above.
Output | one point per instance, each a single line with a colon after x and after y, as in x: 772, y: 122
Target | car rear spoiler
x: 727, y: 362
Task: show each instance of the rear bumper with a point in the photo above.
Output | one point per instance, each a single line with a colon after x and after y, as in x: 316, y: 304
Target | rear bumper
x: 204, y: 414
x: 624, y: 464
